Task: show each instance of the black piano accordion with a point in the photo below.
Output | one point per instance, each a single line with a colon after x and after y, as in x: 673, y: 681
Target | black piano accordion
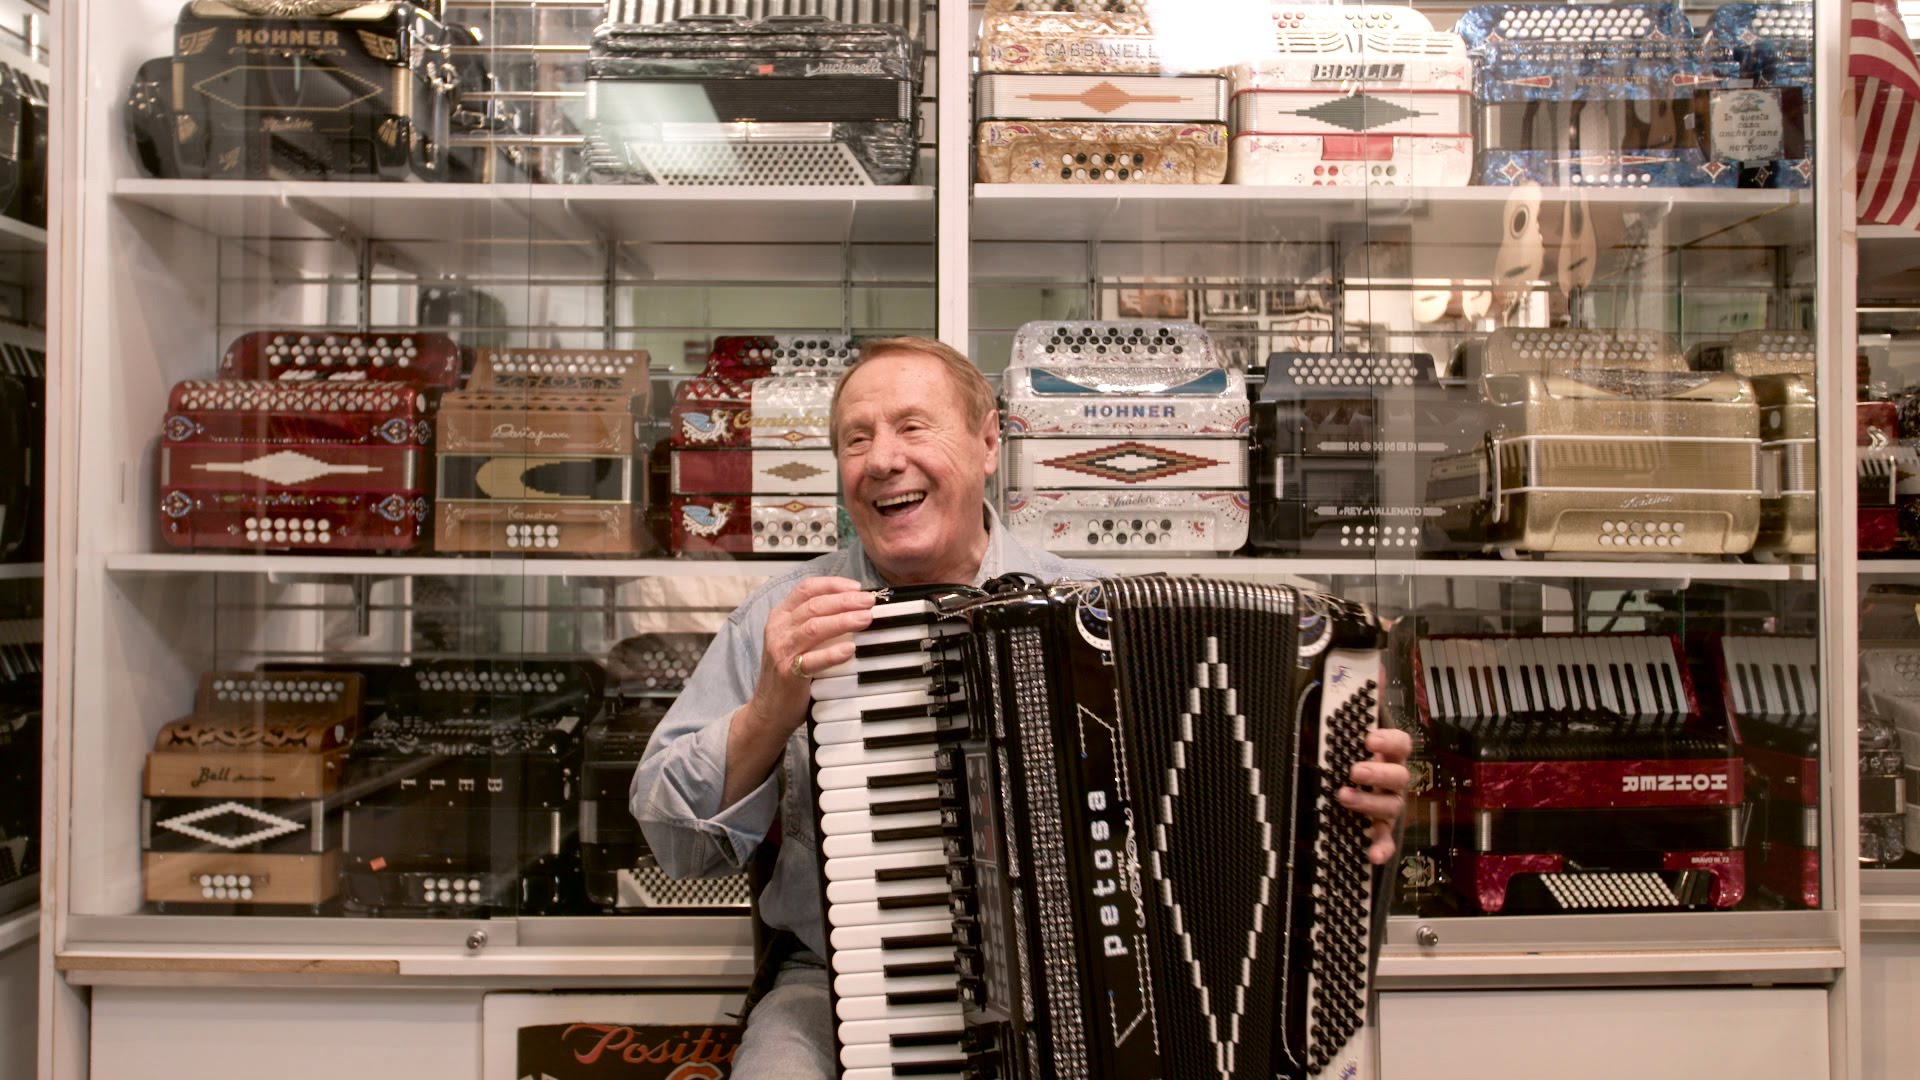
x: 24, y: 123
x: 1027, y: 796
x: 722, y: 99
x: 301, y: 90
x: 1344, y: 445
x: 1578, y: 773
x: 620, y: 871
x: 465, y: 793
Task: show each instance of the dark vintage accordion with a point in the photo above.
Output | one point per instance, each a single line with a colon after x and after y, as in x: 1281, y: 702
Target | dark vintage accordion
x: 330, y: 92
x: 24, y: 130
x: 619, y: 869
x: 541, y: 454
x: 1025, y: 799
x: 1073, y: 93
x: 1889, y: 751
x: 1578, y: 773
x: 240, y: 806
x: 1601, y: 442
x: 722, y: 99
x: 23, y: 439
x: 1343, y: 443
x: 308, y: 441
x: 466, y: 791
x: 1593, y: 95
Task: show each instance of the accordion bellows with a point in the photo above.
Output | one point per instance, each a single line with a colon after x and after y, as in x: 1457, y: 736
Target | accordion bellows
x: 1125, y: 438
x: 538, y: 454
x: 297, y: 91
x: 1602, y: 443
x: 1078, y: 96
x: 717, y: 99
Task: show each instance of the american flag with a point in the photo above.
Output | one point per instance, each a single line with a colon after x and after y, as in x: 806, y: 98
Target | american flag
x: 1886, y: 80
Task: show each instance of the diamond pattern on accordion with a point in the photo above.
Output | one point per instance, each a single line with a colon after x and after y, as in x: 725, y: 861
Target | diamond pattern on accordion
x: 1132, y: 462
x: 231, y: 825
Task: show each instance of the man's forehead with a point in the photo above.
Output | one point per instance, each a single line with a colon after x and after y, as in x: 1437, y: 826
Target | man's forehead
x: 929, y: 385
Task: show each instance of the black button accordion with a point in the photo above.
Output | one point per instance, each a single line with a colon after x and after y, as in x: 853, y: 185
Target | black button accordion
x: 464, y: 794
x: 1027, y: 797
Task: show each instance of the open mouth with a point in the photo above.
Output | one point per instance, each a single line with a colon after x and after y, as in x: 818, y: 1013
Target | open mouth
x: 895, y: 505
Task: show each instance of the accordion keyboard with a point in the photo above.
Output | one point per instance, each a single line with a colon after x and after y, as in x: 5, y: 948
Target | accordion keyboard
x: 877, y: 723
x: 1468, y: 680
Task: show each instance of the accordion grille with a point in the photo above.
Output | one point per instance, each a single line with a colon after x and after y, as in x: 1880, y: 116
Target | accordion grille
x: 1614, y: 464
x: 745, y: 164
x: 1209, y: 717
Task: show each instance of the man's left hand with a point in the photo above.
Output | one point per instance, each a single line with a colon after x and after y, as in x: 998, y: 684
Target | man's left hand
x: 1386, y: 776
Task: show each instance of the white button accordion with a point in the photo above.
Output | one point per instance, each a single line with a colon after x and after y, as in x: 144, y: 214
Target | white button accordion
x: 1125, y: 438
x: 877, y: 723
x: 1348, y: 105
x: 1580, y: 774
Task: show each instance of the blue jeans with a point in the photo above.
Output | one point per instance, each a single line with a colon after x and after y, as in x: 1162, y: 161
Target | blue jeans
x: 789, y: 1033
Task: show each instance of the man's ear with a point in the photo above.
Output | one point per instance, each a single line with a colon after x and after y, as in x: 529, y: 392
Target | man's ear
x: 990, y: 432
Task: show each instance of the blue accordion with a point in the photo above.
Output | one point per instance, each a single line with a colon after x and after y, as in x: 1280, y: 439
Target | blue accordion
x: 1594, y: 95
x: 1764, y: 118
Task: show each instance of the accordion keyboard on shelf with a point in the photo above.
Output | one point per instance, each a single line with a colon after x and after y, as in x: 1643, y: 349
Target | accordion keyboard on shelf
x: 1780, y: 367
x: 1602, y: 442
x: 1890, y: 796
x: 23, y: 439
x: 1764, y: 120
x: 240, y: 806
x: 615, y: 862
x: 1579, y: 774
x: 1594, y: 95
x: 1877, y: 435
x: 309, y: 441
x: 301, y: 91
x: 751, y: 471
x: 721, y: 99
x: 464, y: 795
x: 1073, y: 93
x: 1349, y: 103
x: 1342, y: 446
x: 1092, y: 715
x: 1125, y: 438
x: 541, y: 454
x: 1769, y: 688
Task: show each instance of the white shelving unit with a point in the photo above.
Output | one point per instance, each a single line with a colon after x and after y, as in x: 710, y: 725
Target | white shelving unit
x: 148, y: 269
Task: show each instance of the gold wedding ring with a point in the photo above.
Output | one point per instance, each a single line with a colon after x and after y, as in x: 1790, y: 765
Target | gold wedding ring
x: 798, y: 671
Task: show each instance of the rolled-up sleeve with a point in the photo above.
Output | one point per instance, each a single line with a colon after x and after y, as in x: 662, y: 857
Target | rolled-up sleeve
x: 677, y: 789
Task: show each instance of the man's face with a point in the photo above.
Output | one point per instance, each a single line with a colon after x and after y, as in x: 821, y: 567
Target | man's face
x: 913, y: 471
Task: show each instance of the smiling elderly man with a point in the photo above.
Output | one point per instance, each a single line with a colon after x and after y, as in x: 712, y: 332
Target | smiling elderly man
x: 916, y: 436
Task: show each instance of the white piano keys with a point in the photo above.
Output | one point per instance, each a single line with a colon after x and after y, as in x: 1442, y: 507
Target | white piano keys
x: 885, y: 1056
x: 872, y: 774
x: 872, y: 890
x: 889, y: 1074
x: 879, y: 1031
x: 850, y: 686
x: 840, y: 847
x: 863, y: 867
x: 859, y: 731
x: 879, y: 1008
x: 876, y: 915
x: 865, y: 823
x: 880, y: 984
x: 859, y: 960
x: 865, y: 798
x: 855, y: 754
x: 842, y: 710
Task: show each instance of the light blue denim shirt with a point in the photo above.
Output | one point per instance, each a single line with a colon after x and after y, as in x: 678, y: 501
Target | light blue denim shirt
x: 676, y: 790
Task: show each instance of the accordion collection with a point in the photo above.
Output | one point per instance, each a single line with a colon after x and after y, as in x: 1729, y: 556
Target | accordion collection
x: 995, y: 769
x: 725, y: 100
x: 750, y: 471
x: 538, y: 454
x: 1578, y: 773
x: 308, y: 441
x: 1603, y: 443
x: 328, y: 92
x: 1889, y: 752
x: 1765, y: 122
x: 1333, y: 435
x: 465, y: 794
x: 618, y: 868
x: 1125, y: 438
x: 1592, y: 95
x: 1355, y: 102
x: 240, y: 806
x: 1074, y: 93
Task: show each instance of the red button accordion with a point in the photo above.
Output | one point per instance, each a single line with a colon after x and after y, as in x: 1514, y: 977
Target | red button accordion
x: 309, y: 442
x: 1577, y: 773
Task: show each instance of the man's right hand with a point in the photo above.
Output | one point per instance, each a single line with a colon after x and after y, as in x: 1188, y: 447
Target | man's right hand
x: 804, y: 625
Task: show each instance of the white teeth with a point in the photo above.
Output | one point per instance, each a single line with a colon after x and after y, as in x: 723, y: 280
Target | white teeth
x: 897, y: 500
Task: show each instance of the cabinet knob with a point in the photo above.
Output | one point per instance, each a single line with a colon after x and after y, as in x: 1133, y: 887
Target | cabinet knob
x: 477, y: 940
x: 1426, y: 937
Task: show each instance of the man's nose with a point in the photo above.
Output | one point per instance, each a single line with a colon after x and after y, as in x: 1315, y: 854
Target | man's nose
x: 883, y: 457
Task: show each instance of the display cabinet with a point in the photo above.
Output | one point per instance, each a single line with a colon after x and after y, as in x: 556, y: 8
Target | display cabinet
x: 1548, y: 409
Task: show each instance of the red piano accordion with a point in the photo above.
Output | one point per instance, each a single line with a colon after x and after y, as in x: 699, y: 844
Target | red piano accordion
x: 1577, y: 773
x: 308, y: 442
x: 538, y: 454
